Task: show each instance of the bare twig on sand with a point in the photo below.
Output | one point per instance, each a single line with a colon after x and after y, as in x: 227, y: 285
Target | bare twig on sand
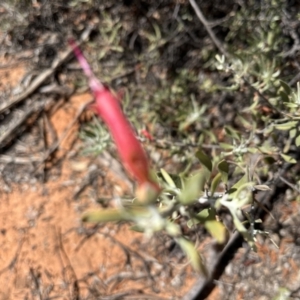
x: 15, y: 257
x: 68, y: 270
x: 67, y: 131
x: 7, y: 135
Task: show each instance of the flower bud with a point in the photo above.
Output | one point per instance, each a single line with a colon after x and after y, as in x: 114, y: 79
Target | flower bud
x: 131, y: 152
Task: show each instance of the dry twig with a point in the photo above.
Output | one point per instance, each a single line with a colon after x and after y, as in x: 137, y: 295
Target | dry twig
x: 68, y: 270
x: 42, y: 77
x: 15, y: 257
x: 67, y: 131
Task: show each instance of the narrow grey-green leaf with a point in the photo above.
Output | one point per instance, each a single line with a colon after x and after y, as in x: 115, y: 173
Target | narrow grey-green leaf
x: 107, y: 215
x: 297, y: 141
x: 217, y: 230
x: 167, y: 178
x: 215, y: 183
x: 223, y: 167
x: 192, y: 222
x: 237, y: 185
x: 244, y: 122
x: 214, y: 227
x: 189, y: 249
x: 284, y: 96
x: 293, y: 133
x: 243, y: 231
x: 286, y: 126
x: 204, y: 160
x: 291, y: 105
x: 137, y: 228
x: 288, y: 158
x: 286, y: 87
x: 243, y: 194
x: 203, y: 215
x: 226, y: 146
x: 262, y: 187
x: 173, y: 229
x: 282, y: 294
x: 232, y: 133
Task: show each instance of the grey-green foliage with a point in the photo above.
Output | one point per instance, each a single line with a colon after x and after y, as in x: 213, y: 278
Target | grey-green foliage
x: 95, y: 136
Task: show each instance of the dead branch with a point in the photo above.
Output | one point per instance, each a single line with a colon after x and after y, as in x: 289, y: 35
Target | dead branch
x: 7, y: 135
x: 42, y: 77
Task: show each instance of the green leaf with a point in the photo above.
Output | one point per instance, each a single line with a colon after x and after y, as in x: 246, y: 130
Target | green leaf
x: 286, y: 87
x: 262, y: 187
x: 168, y: 178
x: 215, y: 183
x: 211, y: 135
x: 226, y: 146
x: 189, y: 249
x: 266, y: 149
x: 173, y: 229
x: 192, y: 222
x: 223, y: 167
x: 291, y: 105
x: 217, y: 230
x: 234, y: 209
x: 237, y: 185
x: 204, y: 160
x: 193, y: 187
x: 107, y: 215
x: 243, y: 194
x: 243, y: 231
x: 137, y: 228
x: 232, y: 132
x: 203, y: 215
x: 297, y: 141
x: 286, y: 126
x: 282, y: 294
x: 252, y: 150
x: 268, y: 130
x: 244, y: 122
x: 284, y: 96
x: 293, y: 133
x: 214, y: 227
x: 288, y: 158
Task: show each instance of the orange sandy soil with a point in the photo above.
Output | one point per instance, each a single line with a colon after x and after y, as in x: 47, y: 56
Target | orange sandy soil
x: 35, y: 218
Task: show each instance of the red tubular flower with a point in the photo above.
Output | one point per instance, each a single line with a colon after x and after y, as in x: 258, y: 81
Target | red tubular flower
x: 108, y: 108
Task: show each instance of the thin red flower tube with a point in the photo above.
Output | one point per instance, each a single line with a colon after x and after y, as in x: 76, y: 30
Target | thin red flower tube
x: 108, y: 108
